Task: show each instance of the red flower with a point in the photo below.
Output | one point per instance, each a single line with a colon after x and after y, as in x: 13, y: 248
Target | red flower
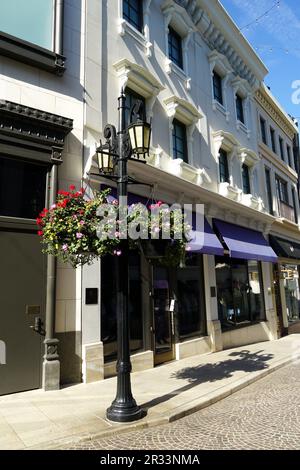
x: 72, y: 187
x: 40, y: 233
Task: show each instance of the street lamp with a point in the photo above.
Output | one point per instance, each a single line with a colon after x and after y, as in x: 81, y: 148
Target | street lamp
x: 131, y: 142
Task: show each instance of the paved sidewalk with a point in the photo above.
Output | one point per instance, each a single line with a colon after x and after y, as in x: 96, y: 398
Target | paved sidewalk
x: 46, y: 420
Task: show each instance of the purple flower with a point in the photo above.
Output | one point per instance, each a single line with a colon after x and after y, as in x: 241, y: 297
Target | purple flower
x: 79, y: 235
x: 65, y: 247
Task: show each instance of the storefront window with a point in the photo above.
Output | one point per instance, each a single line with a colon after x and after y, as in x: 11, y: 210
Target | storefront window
x: 109, y: 306
x: 22, y: 188
x: 240, y: 292
x: 292, y: 293
x: 191, y: 299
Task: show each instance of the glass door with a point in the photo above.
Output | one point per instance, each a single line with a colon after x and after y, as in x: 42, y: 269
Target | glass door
x: 163, y: 316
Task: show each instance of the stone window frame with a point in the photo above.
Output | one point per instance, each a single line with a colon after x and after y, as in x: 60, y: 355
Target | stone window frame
x: 226, y: 141
x: 125, y: 28
x: 181, y: 22
x: 53, y: 60
x: 251, y: 159
x: 219, y: 63
x: 242, y: 88
x: 139, y: 80
x: 186, y: 113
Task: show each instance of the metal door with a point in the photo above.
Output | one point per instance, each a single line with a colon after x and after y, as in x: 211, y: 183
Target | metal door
x: 22, y: 290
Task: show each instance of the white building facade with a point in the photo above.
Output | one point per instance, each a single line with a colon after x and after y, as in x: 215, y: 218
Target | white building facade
x: 201, y: 83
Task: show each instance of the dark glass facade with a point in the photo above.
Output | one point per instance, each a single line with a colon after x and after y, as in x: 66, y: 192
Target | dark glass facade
x: 179, y: 141
x: 223, y: 167
x: 109, y: 307
x: 217, y: 86
x: 22, y: 188
x: 133, y: 13
x: 239, y: 291
x: 175, y: 48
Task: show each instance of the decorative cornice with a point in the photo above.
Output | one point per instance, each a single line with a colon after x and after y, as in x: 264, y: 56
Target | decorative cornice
x: 277, y: 114
x: 137, y: 77
x: 184, y: 110
x: 33, y: 125
x: 200, y: 11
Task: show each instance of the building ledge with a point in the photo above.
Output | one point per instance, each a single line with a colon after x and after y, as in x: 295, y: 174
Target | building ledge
x: 31, y: 54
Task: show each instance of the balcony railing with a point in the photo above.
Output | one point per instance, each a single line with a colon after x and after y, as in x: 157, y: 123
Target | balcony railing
x: 286, y: 211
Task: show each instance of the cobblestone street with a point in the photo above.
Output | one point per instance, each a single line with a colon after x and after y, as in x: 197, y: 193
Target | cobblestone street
x: 265, y: 415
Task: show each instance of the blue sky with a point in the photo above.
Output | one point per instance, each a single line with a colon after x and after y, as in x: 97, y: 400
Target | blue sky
x: 276, y: 39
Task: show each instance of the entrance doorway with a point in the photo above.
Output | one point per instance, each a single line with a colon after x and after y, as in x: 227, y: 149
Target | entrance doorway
x: 22, y: 273
x: 22, y: 305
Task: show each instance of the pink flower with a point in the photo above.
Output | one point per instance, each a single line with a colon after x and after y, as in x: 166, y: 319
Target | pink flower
x: 65, y: 247
x: 117, y: 234
x: 82, y: 222
x: 53, y: 206
x: 79, y: 235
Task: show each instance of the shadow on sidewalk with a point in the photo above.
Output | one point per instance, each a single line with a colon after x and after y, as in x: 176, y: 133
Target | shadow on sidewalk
x: 244, y: 361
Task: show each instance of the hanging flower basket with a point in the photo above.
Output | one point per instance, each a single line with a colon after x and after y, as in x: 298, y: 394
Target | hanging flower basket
x: 70, y: 229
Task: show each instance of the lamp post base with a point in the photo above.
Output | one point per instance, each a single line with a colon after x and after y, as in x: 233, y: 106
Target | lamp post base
x: 121, y: 412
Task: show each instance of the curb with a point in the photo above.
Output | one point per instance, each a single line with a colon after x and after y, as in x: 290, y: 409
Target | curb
x: 178, y: 413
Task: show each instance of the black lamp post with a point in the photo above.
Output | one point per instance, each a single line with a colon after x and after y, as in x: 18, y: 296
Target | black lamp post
x: 131, y: 142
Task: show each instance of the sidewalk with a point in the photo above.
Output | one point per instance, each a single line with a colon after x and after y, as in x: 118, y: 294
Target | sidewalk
x: 43, y: 420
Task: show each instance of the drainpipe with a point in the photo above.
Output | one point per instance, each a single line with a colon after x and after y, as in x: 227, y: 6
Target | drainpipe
x: 58, y: 26
x: 51, y: 364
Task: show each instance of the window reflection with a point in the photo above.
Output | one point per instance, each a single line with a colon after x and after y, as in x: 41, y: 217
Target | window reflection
x: 190, y: 296
x: 22, y: 188
x: 240, y: 292
x: 109, y: 306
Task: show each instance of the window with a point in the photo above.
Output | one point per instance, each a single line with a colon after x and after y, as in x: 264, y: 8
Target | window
x: 282, y: 190
x: 240, y: 292
x: 22, y: 188
x: 175, y: 48
x: 290, y: 274
x: 31, y: 32
x: 217, y: 87
x: 109, y: 307
x: 179, y: 141
x: 190, y: 298
x: 289, y: 154
x: 263, y: 131
x: 31, y: 20
x: 273, y: 141
x: 281, y: 148
x: 295, y: 205
x: 133, y: 13
x: 269, y: 190
x: 240, y: 109
x: 131, y: 99
x: 246, y: 179
x: 223, y: 167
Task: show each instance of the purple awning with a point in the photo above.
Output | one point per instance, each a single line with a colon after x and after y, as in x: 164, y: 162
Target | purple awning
x: 245, y: 243
x: 205, y: 243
